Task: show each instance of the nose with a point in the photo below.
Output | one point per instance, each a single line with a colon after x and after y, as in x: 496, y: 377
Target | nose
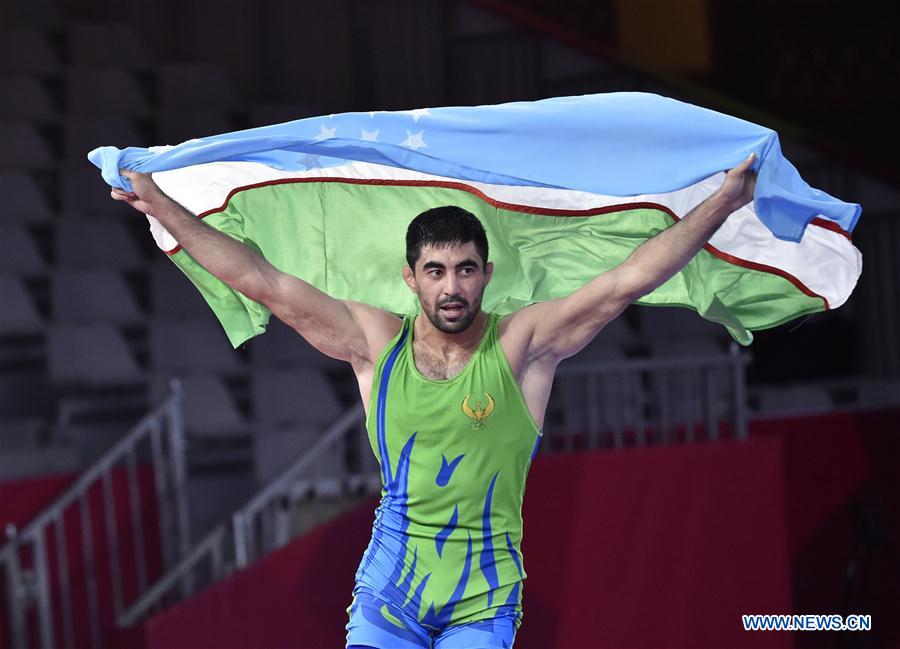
x: 451, y: 287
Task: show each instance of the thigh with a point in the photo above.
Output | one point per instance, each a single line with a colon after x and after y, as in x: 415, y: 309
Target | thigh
x: 499, y: 633
x: 376, y: 624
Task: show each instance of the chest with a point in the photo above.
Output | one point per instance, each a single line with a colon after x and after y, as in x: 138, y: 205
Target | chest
x: 438, y: 368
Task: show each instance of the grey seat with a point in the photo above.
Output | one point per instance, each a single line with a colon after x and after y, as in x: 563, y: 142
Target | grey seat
x: 84, y: 192
x: 85, y: 133
x: 281, y: 346
x: 880, y: 392
x: 105, y: 92
x: 209, y: 407
x: 104, y: 45
x: 677, y: 323
x: 22, y: 199
x: 95, y: 295
x: 180, y: 124
x: 294, y: 396
x: 173, y: 294
x: 794, y: 398
x: 18, y: 252
x: 96, y: 242
x: 198, y: 344
x: 292, y: 409
x: 91, y: 354
x: 18, y: 314
x: 24, y: 148
x: 23, y: 98
x: 190, y: 86
x: 27, y: 50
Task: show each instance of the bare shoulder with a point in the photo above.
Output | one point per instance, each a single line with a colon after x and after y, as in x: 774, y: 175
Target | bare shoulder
x: 516, y: 332
x: 378, y: 325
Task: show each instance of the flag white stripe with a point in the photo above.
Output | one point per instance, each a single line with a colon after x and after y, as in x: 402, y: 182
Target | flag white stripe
x: 826, y: 262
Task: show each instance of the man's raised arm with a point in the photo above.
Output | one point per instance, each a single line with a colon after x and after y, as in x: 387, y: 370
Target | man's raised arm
x: 559, y: 328
x: 348, y: 331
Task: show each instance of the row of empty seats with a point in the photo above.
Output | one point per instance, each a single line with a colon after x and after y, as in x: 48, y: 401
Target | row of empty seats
x: 40, y: 147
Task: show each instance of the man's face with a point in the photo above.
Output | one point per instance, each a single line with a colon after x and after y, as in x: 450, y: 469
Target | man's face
x: 449, y: 281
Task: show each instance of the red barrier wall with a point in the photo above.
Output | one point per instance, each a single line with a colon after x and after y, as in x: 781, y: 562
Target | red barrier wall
x: 650, y: 547
x: 22, y: 500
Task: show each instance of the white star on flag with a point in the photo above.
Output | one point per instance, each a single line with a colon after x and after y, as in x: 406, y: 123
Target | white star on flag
x: 310, y: 161
x: 415, y: 141
x: 370, y: 136
x: 325, y: 133
x: 417, y: 113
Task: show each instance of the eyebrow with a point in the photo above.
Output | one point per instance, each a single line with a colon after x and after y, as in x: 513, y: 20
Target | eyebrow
x: 465, y: 263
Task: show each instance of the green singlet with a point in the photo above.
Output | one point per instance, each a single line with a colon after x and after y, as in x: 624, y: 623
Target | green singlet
x: 454, y: 456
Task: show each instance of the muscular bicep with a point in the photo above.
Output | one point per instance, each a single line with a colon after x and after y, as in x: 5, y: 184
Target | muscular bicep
x: 562, y: 327
x: 345, y: 330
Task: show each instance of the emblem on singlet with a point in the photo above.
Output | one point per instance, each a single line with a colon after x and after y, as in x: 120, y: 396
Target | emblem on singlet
x: 479, y: 413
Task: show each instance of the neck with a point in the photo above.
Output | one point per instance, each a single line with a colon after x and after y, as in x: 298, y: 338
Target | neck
x: 444, y: 343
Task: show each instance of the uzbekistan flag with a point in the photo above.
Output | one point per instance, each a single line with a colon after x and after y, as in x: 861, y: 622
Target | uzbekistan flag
x: 566, y: 189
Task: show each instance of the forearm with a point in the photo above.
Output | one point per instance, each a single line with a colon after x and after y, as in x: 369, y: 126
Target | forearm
x: 224, y: 257
x: 662, y: 256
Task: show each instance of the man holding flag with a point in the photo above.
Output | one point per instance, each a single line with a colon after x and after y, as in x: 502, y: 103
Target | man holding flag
x: 455, y: 399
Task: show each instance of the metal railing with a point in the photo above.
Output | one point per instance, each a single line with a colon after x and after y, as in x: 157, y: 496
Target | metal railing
x: 26, y: 587
x: 654, y: 400
x: 260, y: 525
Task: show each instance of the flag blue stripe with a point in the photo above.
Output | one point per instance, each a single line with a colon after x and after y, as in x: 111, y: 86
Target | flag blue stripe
x: 619, y: 144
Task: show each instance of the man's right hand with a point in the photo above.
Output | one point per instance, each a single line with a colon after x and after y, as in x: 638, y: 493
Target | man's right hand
x: 145, y: 194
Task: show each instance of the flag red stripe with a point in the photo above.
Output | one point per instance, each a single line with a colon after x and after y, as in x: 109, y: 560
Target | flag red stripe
x: 530, y: 209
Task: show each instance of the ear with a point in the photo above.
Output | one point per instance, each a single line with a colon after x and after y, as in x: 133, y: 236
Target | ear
x: 488, y: 272
x: 410, y: 279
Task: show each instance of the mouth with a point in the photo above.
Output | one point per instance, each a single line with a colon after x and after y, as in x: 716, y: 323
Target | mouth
x: 452, y: 310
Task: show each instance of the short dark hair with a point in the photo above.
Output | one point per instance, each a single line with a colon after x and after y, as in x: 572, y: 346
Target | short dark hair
x: 444, y: 226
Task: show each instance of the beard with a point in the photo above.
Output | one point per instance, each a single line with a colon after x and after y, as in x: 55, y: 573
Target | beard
x: 457, y: 324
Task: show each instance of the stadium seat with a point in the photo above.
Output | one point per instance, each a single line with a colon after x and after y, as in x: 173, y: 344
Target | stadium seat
x: 209, y: 407
x: 92, y: 354
x: 600, y: 350
x: 24, y: 148
x: 189, y: 86
x: 677, y: 323
x: 172, y: 293
x: 105, y: 93
x: 178, y: 125
x: 84, y: 133
x: 264, y: 114
x: 25, y: 99
x: 281, y: 346
x: 18, y: 315
x: 276, y: 448
x: 26, y: 50
x: 22, y: 199
x: 84, y: 192
x: 96, y: 243
x: 102, y: 45
x: 691, y: 348
x: 295, y: 396
x: 794, y: 398
x: 191, y: 345
x: 96, y: 295
x: 880, y: 392
x: 18, y: 252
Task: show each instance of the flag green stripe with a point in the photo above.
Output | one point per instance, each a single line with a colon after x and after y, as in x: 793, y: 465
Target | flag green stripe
x: 349, y: 240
